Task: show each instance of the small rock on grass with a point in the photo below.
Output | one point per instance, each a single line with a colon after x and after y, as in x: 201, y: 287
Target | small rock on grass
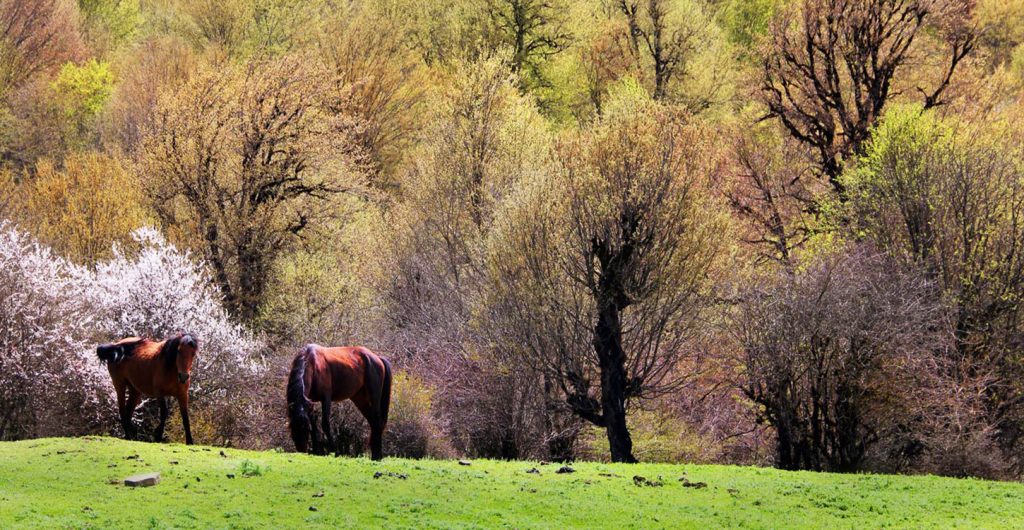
x: 565, y: 469
x: 533, y: 470
x: 465, y: 463
x: 143, y: 480
x: 312, y: 508
x: 318, y: 494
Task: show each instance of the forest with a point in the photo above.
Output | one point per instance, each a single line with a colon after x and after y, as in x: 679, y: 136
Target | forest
x: 786, y: 233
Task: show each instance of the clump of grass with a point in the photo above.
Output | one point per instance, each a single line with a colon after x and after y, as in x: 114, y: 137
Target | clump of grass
x: 250, y: 469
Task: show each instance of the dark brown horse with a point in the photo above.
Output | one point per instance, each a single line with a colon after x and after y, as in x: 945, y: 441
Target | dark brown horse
x: 324, y: 375
x: 142, y: 367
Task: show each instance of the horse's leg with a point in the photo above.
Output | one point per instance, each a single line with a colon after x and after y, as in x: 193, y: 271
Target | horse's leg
x: 183, y: 407
x: 314, y: 432
x: 134, y: 396
x: 325, y: 408
x: 159, y: 434
x: 121, y: 401
x: 363, y: 403
x: 376, y: 438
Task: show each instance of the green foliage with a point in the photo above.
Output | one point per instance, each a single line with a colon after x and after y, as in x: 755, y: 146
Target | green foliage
x: 747, y: 20
x: 84, y: 476
x: 82, y: 92
x: 893, y: 161
x: 111, y: 23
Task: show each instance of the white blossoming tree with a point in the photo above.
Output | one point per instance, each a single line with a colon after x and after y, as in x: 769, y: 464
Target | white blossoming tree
x: 50, y: 382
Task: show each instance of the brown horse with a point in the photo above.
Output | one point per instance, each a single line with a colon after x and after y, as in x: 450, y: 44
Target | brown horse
x: 324, y: 375
x: 142, y: 367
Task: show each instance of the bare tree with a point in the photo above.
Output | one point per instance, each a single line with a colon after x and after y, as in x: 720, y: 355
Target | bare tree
x: 655, y: 37
x: 534, y: 30
x: 246, y: 159
x: 36, y: 36
x: 603, y: 300
x: 832, y: 65
x: 773, y: 191
x: 829, y: 353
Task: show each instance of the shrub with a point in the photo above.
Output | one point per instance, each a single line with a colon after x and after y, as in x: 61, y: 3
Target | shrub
x: 835, y: 355
x: 49, y: 383
x: 82, y: 209
x: 52, y: 313
x: 413, y: 430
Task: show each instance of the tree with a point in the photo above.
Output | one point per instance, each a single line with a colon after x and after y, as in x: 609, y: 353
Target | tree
x: 84, y: 208
x: 948, y: 197
x: 244, y: 159
x: 663, y: 36
x: 484, y: 140
x: 157, y: 64
x: 603, y: 298
x: 831, y: 352
x: 772, y: 191
x: 832, y: 65
x: 82, y: 93
x: 377, y: 81
x: 36, y: 36
x: 534, y: 30
x: 110, y: 23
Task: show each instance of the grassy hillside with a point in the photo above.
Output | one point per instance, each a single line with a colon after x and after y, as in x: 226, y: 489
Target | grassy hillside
x: 76, y: 483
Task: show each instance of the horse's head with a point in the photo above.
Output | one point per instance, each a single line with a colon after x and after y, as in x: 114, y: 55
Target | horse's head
x: 183, y: 350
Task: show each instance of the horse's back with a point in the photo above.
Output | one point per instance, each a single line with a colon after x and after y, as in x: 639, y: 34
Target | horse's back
x: 142, y: 369
x: 346, y: 366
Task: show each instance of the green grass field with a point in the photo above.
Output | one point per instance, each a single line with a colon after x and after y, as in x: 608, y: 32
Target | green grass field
x: 77, y: 483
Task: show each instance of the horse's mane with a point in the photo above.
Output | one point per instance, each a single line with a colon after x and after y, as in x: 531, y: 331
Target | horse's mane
x: 169, y: 349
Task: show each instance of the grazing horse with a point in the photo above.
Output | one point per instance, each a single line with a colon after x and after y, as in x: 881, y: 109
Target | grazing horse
x: 324, y: 375
x: 143, y: 367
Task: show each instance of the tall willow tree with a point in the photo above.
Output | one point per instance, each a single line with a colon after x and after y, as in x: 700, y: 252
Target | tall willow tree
x: 598, y: 272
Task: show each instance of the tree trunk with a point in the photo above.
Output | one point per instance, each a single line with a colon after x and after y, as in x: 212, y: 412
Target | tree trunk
x: 608, y: 345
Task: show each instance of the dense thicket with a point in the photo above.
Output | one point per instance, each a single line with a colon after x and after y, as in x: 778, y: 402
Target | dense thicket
x: 773, y: 231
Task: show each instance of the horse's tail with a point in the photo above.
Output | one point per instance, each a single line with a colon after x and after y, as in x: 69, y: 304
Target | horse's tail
x: 378, y: 383
x: 385, y: 392
x: 115, y: 352
x: 108, y: 353
x: 298, y: 405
